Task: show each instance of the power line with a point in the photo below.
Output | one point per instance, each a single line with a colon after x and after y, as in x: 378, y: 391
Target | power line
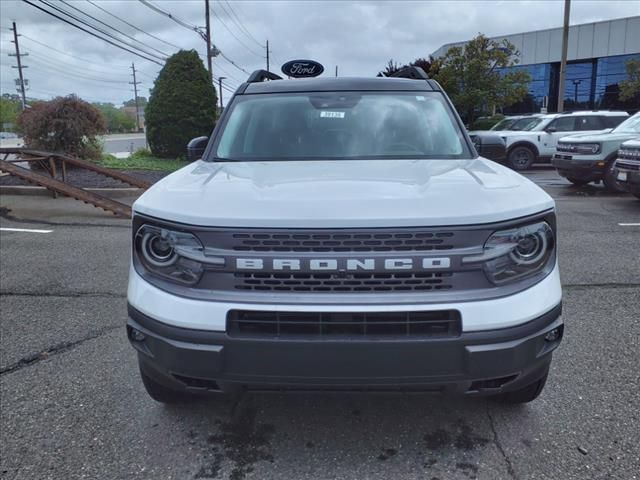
x: 234, y: 17
x: 234, y: 35
x: 91, y: 33
x: 169, y: 15
x: 74, y: 71
x: 67, y: 13
x: 133, y: 26
x: 66, y: 53
x: 233, y: 63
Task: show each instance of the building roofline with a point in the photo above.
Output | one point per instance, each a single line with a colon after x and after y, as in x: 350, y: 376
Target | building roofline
x: 540, y: 30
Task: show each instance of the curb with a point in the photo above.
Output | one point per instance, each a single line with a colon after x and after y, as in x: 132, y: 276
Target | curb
x: 42, y: 191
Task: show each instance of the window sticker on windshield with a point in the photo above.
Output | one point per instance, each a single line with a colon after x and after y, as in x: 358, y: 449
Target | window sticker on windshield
x: 420, y: 98
x: 325, y: 114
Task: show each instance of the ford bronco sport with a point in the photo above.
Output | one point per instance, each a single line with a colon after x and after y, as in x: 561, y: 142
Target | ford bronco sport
x: 590, y: 157
x: 343, y: 233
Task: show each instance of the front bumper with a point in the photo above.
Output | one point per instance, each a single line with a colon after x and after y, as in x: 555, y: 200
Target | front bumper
x: 483, y: 362
x: 627, y: 180
x: 582, y: 167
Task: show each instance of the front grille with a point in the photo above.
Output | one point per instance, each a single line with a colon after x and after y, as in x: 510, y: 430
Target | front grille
x: 329, y: 325
x: 343, y: 242
x: 356, y: 282
x: 633, y: 165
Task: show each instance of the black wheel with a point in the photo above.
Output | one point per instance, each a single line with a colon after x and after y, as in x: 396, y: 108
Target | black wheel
x: 163, y: 394
x: 525, y: 394
x: 577, y: 181
x: 609, y: 179
x: 521, y: 158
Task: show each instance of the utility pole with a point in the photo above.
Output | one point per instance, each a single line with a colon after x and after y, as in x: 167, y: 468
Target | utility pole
x: 18, y: 56
x: 220, y: 91
x: 268, y: 55
x: 336, y: 70
x: 135, y: 93
x: 563, y: 59
x: 208, y: 40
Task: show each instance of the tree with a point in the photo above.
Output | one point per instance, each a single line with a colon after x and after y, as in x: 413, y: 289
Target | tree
x: 64, y: 124
x: 142, y: 102
x: 182, y: 105
x: 430, y: 65
x: 391, y: 68
x: 8, y: 111
x: 630, y: 87
x: 477, y: 76
x: 115, y: 119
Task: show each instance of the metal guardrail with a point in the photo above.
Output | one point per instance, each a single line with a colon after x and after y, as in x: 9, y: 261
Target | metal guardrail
x: 49, y: 161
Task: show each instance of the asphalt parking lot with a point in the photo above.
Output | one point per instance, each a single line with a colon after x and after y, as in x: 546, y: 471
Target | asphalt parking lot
x: 73, y: 406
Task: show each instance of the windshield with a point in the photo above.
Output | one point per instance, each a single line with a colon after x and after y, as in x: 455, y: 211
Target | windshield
x: 525, y: 124
x: 630, y: 125
x: 504, y: 124
x: 340, y: 125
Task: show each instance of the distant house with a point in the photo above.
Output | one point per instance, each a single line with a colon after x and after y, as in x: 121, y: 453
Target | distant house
x: 131, y: 112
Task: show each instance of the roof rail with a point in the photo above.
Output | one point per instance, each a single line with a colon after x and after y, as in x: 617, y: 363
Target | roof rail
x: 413, y: 72
x: 262, y: 75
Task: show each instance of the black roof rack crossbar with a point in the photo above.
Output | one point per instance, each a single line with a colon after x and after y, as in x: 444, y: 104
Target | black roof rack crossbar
x: 262, y: 75
x: 415, y: 73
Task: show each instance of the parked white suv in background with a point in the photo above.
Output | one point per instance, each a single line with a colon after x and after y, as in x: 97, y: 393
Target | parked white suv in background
x: 538, y: 142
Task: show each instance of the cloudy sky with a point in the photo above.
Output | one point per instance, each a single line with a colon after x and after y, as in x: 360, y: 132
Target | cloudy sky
x: 359, y: 37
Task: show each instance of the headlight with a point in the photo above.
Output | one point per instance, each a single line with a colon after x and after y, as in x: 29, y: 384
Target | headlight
x: 169, y: 254
x: 515, y: 253
x: 587, y: 148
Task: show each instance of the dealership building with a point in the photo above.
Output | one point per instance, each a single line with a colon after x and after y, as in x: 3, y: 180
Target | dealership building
x: 595, y: 65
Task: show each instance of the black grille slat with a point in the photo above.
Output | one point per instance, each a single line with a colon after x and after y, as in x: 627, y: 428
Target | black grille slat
x: 628, y: 164
x: 330, y: 325
x: 342, y: 242
x: 367, y: 282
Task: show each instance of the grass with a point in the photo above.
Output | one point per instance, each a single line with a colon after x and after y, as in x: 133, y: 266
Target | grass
x: 140, y: 162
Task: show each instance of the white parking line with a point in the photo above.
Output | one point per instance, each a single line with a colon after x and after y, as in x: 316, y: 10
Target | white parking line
x: 28, y: 230
x: 629, y: 224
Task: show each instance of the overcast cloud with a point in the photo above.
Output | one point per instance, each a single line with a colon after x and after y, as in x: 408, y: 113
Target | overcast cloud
x: 359, y: 37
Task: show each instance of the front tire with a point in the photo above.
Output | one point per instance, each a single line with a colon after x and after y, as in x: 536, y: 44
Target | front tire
x: 521, y: 158
x: 526, y: 394
x: 163, y: 394
x: 609, y: 180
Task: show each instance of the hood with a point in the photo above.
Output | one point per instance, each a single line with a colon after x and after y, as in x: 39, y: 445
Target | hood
x: 354, y: 193
x: 598, y: 137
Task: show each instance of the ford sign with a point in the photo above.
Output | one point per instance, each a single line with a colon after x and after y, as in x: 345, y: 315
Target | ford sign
x: 302, y: 68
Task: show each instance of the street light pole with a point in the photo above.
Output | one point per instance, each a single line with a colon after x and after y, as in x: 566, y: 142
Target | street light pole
x: 563, y: 59
x: 575, y: 91
x: 220, y: 90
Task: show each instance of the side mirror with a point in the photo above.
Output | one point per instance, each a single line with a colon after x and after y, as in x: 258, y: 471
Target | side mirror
x: 490, y: 146
x: 551, y: 129
x: 195, y: 148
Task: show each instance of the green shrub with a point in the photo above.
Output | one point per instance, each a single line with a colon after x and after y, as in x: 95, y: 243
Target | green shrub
x: 485, y: 123
x: 182, y: 105
x: 141, y: 153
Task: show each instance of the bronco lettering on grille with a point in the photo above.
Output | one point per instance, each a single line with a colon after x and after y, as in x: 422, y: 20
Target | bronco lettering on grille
x: 342, y: 264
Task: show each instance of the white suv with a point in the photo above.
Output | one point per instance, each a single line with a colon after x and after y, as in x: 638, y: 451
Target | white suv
x: 538, y: 142
x: 343, y: 233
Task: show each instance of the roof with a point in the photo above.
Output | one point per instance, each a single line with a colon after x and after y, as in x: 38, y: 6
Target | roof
x: 619, y: 36
x: 328, y: 84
